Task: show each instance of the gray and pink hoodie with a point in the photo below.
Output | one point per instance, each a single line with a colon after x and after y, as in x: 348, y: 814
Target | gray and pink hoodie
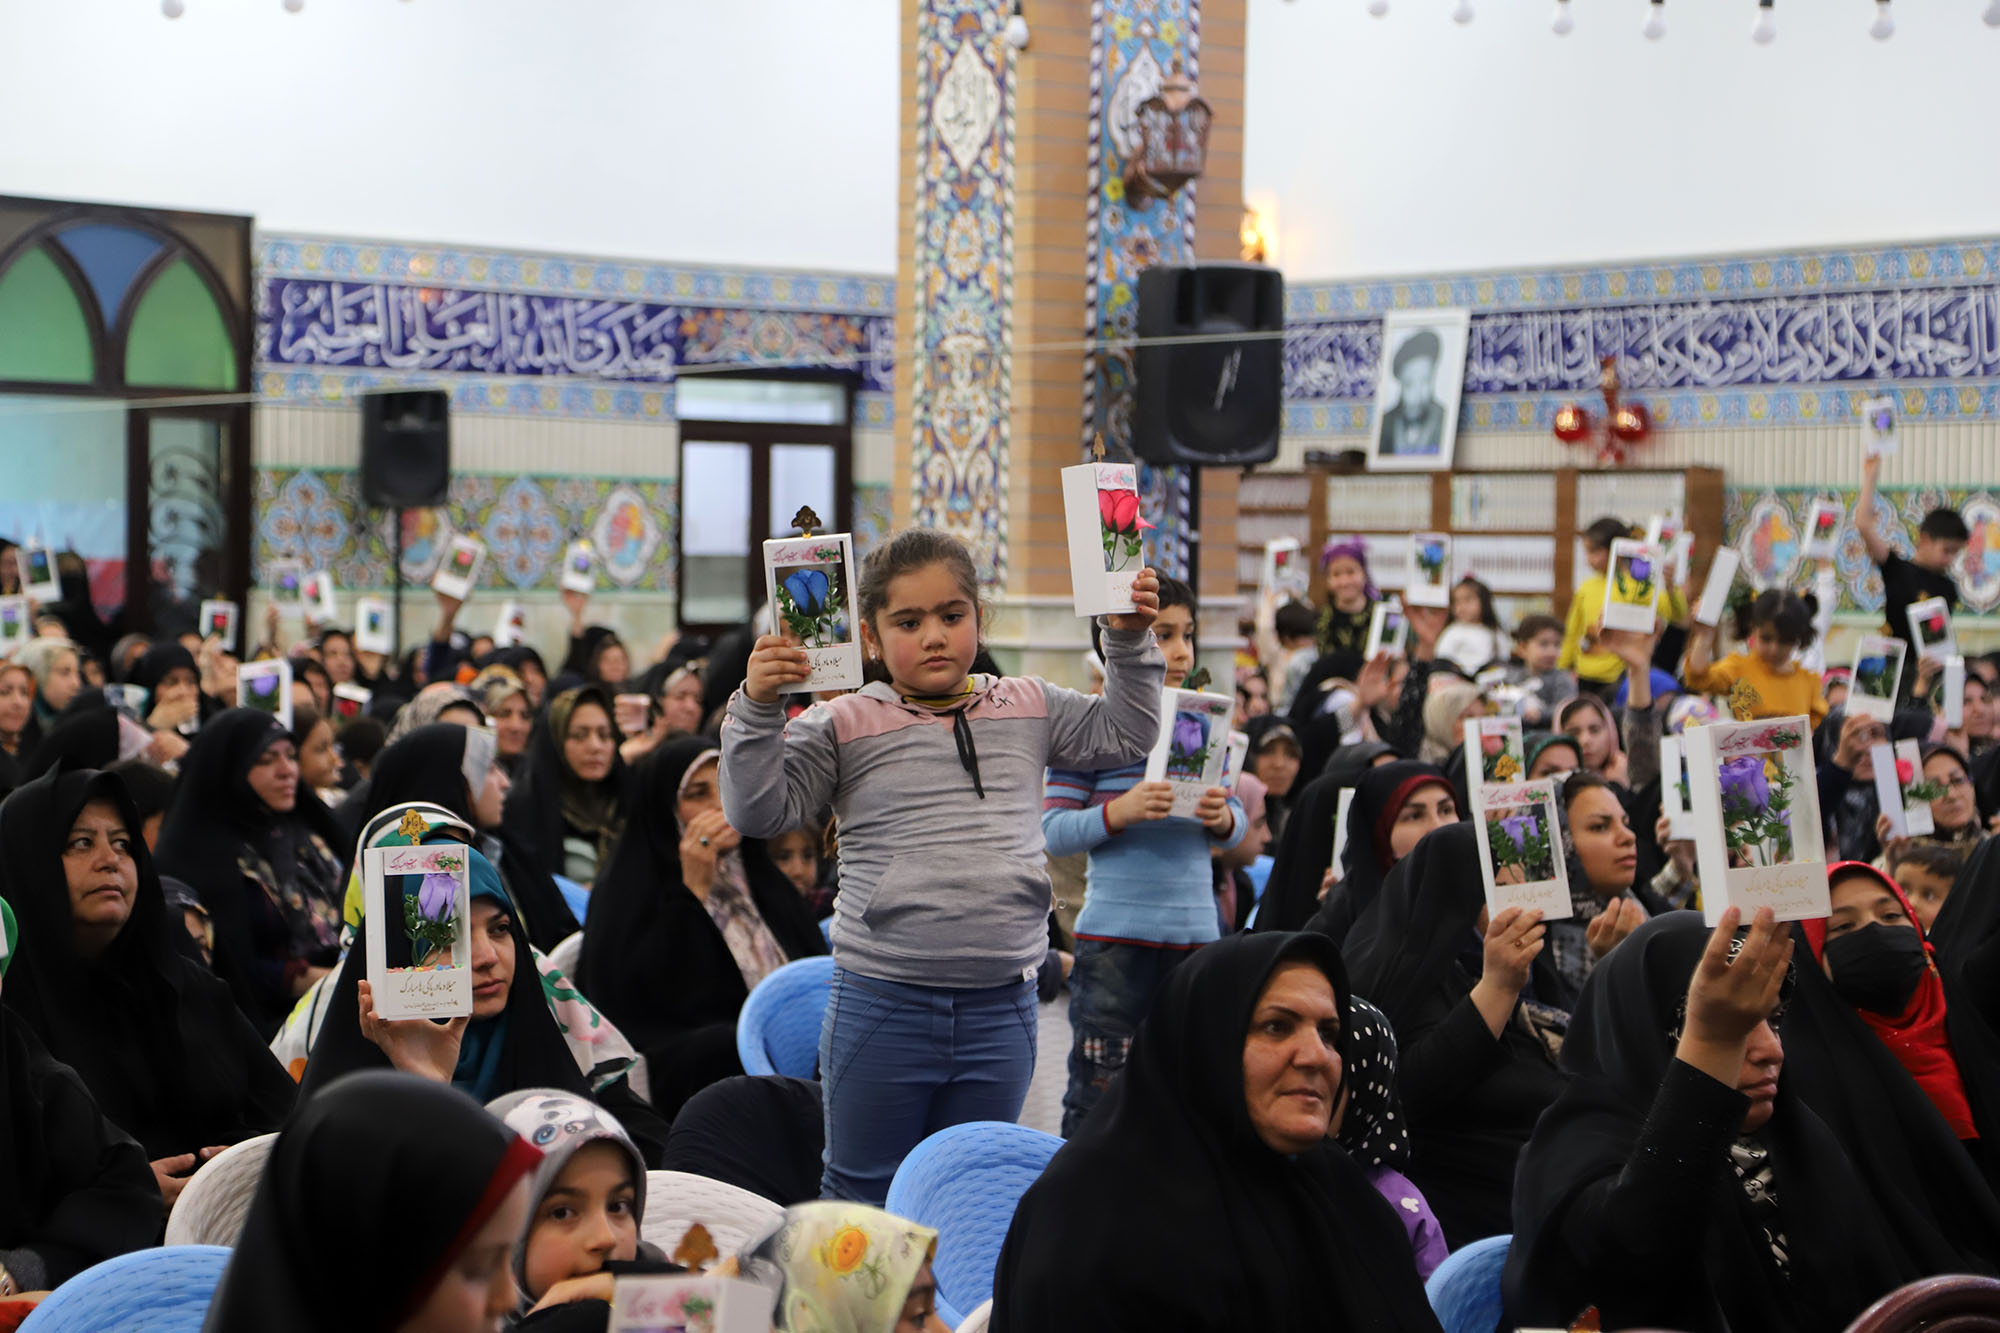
x: 938, y: 886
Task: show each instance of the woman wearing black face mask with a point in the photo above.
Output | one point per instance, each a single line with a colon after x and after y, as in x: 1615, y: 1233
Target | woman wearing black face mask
x: 1884, y: 993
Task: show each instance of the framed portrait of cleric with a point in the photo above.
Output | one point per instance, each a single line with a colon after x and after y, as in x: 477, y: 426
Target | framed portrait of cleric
x: 1417, y: 388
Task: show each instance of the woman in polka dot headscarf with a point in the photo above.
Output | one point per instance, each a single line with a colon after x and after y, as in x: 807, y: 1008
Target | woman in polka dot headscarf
x: 1369, y: 1124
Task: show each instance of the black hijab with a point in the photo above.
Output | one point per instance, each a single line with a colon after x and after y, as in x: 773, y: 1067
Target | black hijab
x: 217, y: 819
x: 1305, y: 848
x: 545, y: 786
x: 156, y: 1038
x: 1851, y: 1238
x: 81, y: 738
x: 1216, y: 1230
x: 1378, y: 796
x: 74, y: 1188
x: 154, y: 664
x: 761, y: 1132
x: 653, y: 961
x: 429, y: 765
x: 367, y: 1198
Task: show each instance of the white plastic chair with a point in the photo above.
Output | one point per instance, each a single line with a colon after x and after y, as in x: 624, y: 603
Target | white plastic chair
x: 735, y: 1217
x: 217, y: 1197
x: 565, y: 954
x: 977, y: 1321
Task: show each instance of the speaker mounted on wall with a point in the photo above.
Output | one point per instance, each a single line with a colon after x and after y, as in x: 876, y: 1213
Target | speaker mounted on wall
x: 1213, y: 401
x: 405, y: 448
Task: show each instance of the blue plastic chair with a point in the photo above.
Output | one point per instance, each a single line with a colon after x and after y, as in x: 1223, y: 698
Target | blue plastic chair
x: 1465, y: 1290
x: 826, y: 930
x: 165, y: 1290
x: 777, y: 1031
x: 575, y: 895
x: 966, y: 1182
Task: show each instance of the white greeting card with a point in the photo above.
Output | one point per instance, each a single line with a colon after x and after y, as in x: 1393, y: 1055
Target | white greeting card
x: 17, y: 623
x: 1680, y: 557
x: 39, y: 577
x: 266, y: 686
x: 417, y: 905
x: 1821, y: 539
x: 218, y: 621
x: 579, y: 569
x: 316, y: 595
x: 1663, y: 530
x: 1388, y: 630
x: 810, y: 581
x: 371, y: 626
x: 1878, y: 427
x: 458, y: 572
x: 1520, y: 847
x: 1430, y: 570
x: 1756, y: 818
x: 1284, y: 576
x: 1495, y: 754
x: 288, y: 586
x: 1878, y: 675
x: 1631, y: 587
x: 694, y: 1303
x: 1232, y: 763
x: 512, y: 625
x: 1192, y: 744
x: 1954, y: 692
x: 127, y: 699
x: 1930, y: 629
x: 630, y: 712
x: 1715, y: 593
x: 1674, y: 790
x: 1106, y: 548
x: 350, y: 701
x: 1340, y: 808
x: 1899, y: 767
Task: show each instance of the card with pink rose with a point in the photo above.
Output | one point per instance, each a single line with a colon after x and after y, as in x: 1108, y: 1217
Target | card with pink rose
x: 1101, y: 515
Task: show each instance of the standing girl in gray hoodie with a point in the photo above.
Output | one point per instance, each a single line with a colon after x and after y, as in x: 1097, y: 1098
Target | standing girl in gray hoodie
x: 935, y: 776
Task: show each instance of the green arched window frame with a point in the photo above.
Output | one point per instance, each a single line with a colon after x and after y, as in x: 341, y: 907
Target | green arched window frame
x: 214, y: 251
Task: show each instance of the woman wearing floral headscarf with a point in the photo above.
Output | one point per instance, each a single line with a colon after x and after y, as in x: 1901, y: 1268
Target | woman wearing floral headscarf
x: 848, y: 1268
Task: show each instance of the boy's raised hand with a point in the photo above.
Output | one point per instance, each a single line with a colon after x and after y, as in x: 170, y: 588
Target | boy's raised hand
x: 1145, y: 603
x: 776, y: 661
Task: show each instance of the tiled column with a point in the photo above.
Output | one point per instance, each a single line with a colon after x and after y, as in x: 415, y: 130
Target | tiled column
x: 1018, y: 255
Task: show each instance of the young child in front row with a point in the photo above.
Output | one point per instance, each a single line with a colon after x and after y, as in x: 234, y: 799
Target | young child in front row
x: 935, y: 776
x: 589, y: 1195
x: 1761, y: 679
x: 1150, y: 902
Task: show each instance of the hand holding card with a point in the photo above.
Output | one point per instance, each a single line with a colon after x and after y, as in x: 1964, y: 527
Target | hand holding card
x: 1106, y: 550
x: 417, y: 903
x: 810, y: 581
x: 458, y: 572
x: 1192, y: 746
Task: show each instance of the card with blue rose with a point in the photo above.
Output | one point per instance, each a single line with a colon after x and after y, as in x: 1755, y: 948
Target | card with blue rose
x: 1755, y: 805
x: 417, y: 902
x: 1520, y: 847
x: 810, y: 581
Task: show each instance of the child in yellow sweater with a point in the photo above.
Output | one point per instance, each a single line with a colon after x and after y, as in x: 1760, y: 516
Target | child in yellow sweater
x: 1595, y: 666
x: 1760, y: 679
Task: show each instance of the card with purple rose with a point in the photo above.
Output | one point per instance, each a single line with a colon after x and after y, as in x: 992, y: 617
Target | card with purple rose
x: 1192, y: 747
x: 810, y: 581
x: 1756, y: 816
x: 417, y: 903
x: 1520, y: 847
x: 1633, y: 586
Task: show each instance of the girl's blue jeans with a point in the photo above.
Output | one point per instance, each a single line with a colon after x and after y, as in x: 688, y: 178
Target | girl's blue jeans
x: 899, y: 1063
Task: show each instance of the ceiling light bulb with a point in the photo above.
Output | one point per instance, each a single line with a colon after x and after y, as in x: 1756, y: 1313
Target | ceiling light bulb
x: 1562, y: 23
x: 1462, y: 14
x: 1884, y: 26
x: 1656, y: 21
x: 1765, y: 30
x: 1017, y: 29
x: 294, y: 6
x: 173, y: 9
x: 1380, y: 7
x: 1993, y: 14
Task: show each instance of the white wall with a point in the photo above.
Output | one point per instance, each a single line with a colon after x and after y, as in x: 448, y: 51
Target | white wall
x: 1409, y: 144
x: 759, y: 132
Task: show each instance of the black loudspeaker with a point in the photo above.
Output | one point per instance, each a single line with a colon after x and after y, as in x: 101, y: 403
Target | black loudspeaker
x: 405, y: 448
x: 1210, y: 404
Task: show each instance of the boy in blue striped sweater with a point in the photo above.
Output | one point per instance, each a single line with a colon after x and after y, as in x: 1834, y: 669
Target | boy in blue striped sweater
x: 1151, y: 896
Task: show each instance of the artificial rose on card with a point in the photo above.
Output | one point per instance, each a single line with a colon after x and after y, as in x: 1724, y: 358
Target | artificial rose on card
x: 1521, y: 850
x: 430, y: 915
x: 1757, y: 801
x: 1118, y: 512
x: 1430, y: 561
x: 1929, y: 789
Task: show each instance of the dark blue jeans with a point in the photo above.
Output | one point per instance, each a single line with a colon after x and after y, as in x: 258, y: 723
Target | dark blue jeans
x: 1110, y: 989
x: 899, y: 1063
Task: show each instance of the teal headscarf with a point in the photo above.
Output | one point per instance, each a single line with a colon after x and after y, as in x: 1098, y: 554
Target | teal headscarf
x: 479, y: 1050
x: 9, y: 932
